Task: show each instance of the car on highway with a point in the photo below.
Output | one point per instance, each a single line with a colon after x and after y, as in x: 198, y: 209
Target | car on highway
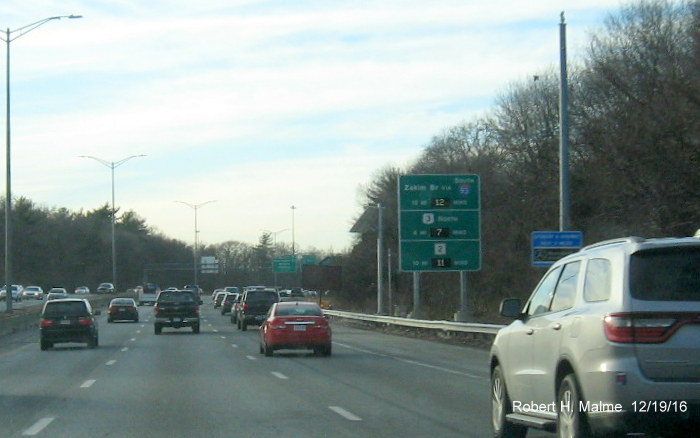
x: 228, y: 301
x: 147, y: 294
x: 57, y: 293
x: 606, y: 344
x: 67, y: 321
x: 16, y: 293
x: 193, y: 287
x: 177, y: 309
x: 81, y: 290
x: 235, y: 305
x: 219, y: 298
x: 105, y: 288
x: 216, y: 291
x: 254, y: 306
x: 121, y: 309
x: 295, y: 325
x: 33, y: 292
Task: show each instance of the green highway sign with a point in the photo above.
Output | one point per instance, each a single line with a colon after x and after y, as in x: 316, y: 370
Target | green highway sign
x: 456, y: 255
x: 439, y: 222
x: 439, y: 192
x: 284, y: 265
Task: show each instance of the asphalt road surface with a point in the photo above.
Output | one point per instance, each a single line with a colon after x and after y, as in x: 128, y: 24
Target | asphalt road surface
x: 217, y: 384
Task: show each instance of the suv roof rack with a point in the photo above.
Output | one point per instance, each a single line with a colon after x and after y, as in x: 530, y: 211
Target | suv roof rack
x: 629, y: 239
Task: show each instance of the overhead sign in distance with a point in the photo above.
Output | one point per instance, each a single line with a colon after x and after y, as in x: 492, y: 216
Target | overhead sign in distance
x: 283, y: 265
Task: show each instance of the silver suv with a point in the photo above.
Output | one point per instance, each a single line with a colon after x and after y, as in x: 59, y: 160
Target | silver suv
x: 608, y: 343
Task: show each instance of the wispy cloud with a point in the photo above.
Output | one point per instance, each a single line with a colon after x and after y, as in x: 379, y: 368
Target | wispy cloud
x: 258, y: 104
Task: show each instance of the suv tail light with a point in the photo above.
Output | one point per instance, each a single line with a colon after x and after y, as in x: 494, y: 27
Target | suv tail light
x: 46, y: 323
x: 84, y: 320
x: 245, y: 307
x: 645, y: 328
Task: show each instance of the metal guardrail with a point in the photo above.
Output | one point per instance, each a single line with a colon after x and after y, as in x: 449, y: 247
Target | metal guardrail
x: 447, y: 326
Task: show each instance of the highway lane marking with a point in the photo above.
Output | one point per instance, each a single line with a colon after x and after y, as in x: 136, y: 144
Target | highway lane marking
x: 413, y: 362
x: 345, y: 414
x: 133, y: 339
x: 125, y: 349
x: 138, y: 331
x: 234, y: 345
x: 37, y: 427
x: 279, y: 375
x: 88, y: 383
x: 252, y: 358
x: 110, y: 362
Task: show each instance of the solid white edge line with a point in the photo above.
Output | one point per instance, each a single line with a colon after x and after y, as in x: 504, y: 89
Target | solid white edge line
x: 37, y: 427
x: 345, y: 414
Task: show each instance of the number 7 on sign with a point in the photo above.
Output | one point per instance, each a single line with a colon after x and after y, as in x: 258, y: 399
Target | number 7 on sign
x: 440, y: 249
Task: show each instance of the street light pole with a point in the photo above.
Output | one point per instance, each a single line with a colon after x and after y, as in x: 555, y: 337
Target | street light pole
x: 274, y: 245
x: 9, y: 36
x: 293, y: 252
x: 112, y: 165
x: 194, y: 249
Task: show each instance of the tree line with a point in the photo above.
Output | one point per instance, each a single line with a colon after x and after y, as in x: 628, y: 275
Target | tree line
x: 635, y: 151
x: 634, y: 156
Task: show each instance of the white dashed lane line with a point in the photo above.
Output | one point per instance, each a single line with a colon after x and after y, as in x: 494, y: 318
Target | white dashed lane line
x: 37, y: 427
x: 345, y: 414
x: 110, y: 362
x: 125, y: 349
x: 279, y: 375
x: 252, y: 358
x: 88, y: 383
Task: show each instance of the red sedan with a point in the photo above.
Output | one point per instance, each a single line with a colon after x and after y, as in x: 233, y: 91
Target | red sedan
x: 295, y: 325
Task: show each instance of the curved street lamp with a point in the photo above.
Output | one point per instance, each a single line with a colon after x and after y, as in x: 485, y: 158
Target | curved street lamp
x: 112, y: 165
x: 8, y: 36
x: 195, y: 207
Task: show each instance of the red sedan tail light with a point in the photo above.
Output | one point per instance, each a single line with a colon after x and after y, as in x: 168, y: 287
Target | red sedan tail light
x: 277, y: 324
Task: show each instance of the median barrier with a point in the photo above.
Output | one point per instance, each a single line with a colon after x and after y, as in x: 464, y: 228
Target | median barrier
x: 481, y: 333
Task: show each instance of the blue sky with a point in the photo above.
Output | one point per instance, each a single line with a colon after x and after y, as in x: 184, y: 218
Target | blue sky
x: 259, y: 105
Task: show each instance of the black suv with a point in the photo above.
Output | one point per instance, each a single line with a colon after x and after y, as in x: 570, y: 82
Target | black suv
x: 254, y: 305
x: 177, y: 308
x: 68, y: 320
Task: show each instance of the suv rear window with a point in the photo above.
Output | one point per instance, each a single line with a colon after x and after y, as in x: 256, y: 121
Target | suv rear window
x: 70, y: 308
x: 262, y: 296
x: 176, y: 297
x: 666, y: 274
